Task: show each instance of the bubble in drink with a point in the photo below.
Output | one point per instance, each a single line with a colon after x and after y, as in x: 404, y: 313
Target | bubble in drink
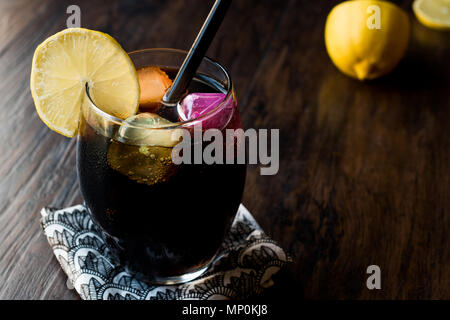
x: 145, y: 164
x: 144, y: 151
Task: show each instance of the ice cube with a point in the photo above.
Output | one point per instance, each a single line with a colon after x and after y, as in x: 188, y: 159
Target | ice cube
x: 142, y: 130
x: 153, y: 83
x: 195, y: 105
x: 145, y: 164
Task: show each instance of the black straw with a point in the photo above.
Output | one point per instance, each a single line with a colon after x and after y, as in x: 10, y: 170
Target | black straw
x: 197, y: 52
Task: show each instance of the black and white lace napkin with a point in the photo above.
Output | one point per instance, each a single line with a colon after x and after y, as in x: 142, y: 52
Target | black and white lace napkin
x: 249, y: 260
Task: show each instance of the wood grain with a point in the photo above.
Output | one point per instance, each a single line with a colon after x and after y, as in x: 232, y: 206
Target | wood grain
x: 364, y: 167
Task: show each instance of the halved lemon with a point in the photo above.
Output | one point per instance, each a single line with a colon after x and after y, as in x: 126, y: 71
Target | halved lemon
x: 433, y: 13
x: 65, y: 62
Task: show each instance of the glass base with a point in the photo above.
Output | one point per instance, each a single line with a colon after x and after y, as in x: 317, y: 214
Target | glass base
x: 114, y: 245
x: 178, y: 279
x: 181, y: 278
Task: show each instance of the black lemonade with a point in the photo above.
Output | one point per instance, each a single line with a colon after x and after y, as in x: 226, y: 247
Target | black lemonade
x: 160, y: 219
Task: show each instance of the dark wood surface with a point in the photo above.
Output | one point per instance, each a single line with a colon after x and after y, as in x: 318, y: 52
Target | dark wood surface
x: 364, y: 167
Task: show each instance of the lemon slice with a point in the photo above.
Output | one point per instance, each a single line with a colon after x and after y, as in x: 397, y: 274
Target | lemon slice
x: 433, y: 13
x: 65, y: 62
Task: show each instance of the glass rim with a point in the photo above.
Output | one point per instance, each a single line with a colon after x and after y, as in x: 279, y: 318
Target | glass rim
x: 178, y: 124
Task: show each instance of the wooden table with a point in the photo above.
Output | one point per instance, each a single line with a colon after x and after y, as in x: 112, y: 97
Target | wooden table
x: 364, y: 167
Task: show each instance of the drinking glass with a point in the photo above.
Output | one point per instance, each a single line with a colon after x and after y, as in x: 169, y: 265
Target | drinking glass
x: 163, y: 222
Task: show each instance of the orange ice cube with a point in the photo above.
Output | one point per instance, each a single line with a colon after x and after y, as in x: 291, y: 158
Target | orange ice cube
x: 153, y: 82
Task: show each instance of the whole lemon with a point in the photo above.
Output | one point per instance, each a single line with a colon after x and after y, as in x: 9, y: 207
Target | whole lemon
x: 366, y: 39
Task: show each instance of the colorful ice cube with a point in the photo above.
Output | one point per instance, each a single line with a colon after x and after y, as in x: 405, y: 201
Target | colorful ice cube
x: 196, y: 105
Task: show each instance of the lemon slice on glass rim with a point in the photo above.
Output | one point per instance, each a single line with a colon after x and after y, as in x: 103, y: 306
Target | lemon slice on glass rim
x: 65, y: 62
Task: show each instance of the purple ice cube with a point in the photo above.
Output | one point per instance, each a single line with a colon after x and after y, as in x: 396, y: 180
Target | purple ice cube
x: 195, y: 105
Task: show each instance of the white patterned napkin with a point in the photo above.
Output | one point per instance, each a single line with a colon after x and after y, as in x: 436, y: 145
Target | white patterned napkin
x: 249, y: 259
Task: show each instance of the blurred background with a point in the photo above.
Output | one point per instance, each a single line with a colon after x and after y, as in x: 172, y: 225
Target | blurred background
x: 364, y: 165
